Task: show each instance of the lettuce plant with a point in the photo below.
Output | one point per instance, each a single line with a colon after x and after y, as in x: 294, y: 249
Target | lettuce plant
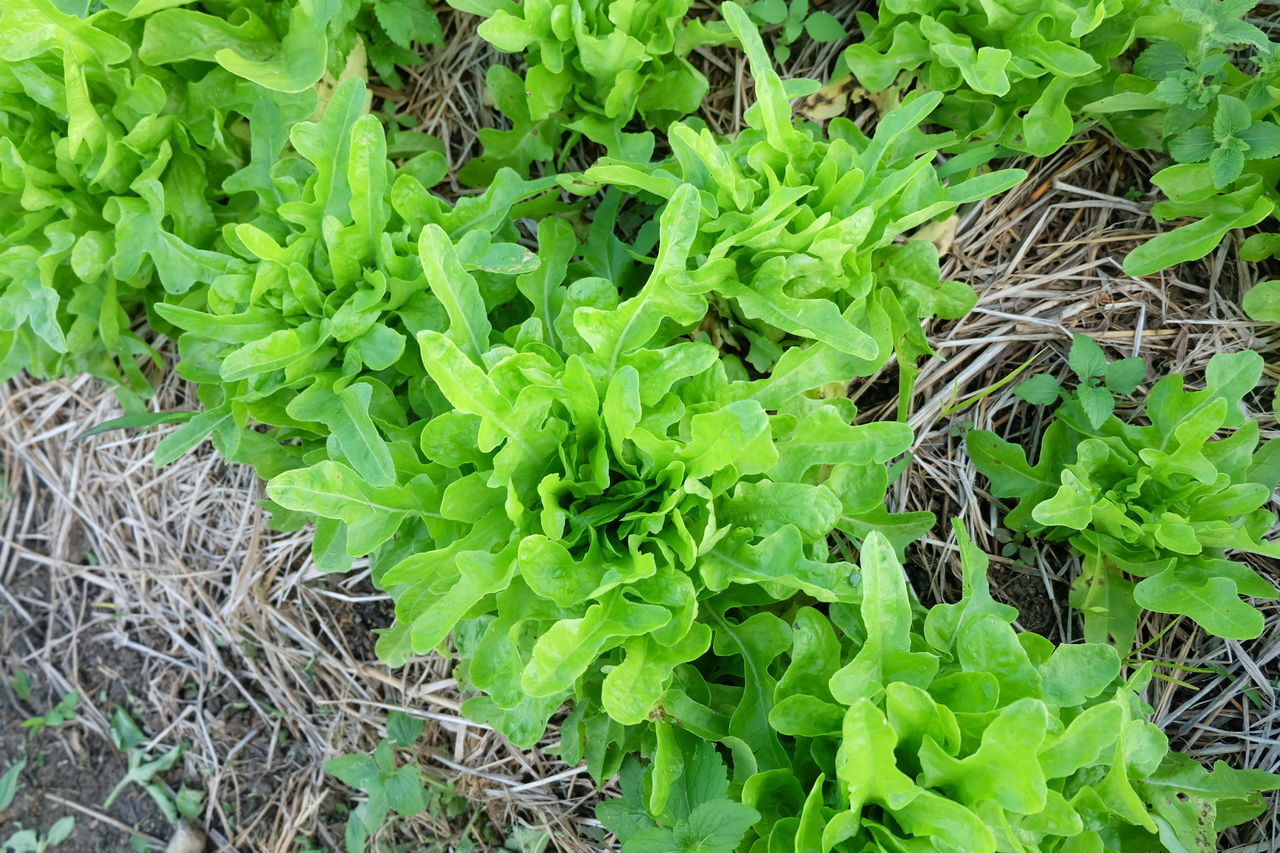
x: 280, y: 46
x: 311, y: 330
x: 798, y: 235
x: 1190, y: 78
x: 1013, y: 74
x: 594, y: 66
x: 1161, y: 499
x: 288, y: 46
x: 537, y: 462
x: 901, y: 729
x: 111, y: 173
x: 583, y: 487
x: 657, y: 498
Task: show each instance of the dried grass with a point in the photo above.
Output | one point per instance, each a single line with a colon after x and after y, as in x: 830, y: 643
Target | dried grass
x: 447, y: 94
x: 264, y: 665
x: 184, y: 573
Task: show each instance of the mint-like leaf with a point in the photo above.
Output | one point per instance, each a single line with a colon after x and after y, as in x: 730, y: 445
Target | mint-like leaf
x: 1041, y: 390
x: 1086, y: 358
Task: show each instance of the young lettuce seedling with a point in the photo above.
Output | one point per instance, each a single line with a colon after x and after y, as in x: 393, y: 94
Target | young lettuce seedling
x: 1153, y: 505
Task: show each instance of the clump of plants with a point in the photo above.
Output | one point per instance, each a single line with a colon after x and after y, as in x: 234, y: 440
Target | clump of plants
x: 1152, y: 499
x: 595, y: 67
x: 1187, y: 78
x: 311, y: 329
x: 287, y: 46
x: 882, y: 723
x: 591, y: 431
x: 789, y: 22
x: 1015, y: 76
x: 111, y: 185
x: 1200, y: 91
x: 797, y: 231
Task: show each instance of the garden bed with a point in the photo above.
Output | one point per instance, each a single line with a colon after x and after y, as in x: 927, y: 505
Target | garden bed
x: 165, y: 592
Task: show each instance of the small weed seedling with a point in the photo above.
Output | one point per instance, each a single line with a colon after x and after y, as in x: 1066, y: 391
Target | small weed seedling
x: 1100, y: 381
x: 145, y: 771
x: 388, y: 788
x: 21, y: 684
x: 793, y: 19
x: 30, y: 841
x: 63, y: 712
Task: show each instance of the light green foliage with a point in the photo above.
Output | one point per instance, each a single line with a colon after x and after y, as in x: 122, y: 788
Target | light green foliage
x: 312, y: 331
x: 1190, y: 78
x: 1160, y: 498
x: 1014, y: 74
x: 287, y: 46
x: 593, y: 67
x: 948, y: 727
x: 280, y: 46
x: 1185, y: 92
x: 536, y: 457
x: 600, y: 448
x: 1203, y: 89
x: 111, y: 175
x: 632, y: 503
x: 61, y: 713
x: 797, y: 240
x: 1262, y: 302
x: 591, y: 494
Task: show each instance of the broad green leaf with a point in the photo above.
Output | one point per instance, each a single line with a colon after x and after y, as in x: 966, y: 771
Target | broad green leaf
x: 1086, y: 358
x: 886, y: 610
x: 564, y: 652
x: 999, y: 769
x: 633, y: 688
x: 1214, y: 602
x: 1262, y: 302
x: 469, y: 326
x: 865, y: 763
x: 300, y: 59
x: 1041, y: 390
x: 1191, y: 242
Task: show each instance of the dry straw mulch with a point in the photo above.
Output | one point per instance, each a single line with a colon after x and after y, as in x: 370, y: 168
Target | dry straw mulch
x: 167, y: 592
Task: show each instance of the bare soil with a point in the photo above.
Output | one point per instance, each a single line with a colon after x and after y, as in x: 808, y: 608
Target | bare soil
x: 69, y: 763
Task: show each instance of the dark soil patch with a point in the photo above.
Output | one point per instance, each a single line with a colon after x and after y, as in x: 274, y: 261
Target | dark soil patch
x: 357, y: 620
x: 1037, y: 612
x: 71, y: 761
x: 75, y: 765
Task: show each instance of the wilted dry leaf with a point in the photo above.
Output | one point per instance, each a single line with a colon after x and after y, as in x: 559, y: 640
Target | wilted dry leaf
x: 941, y: 234
x: 830, y: 101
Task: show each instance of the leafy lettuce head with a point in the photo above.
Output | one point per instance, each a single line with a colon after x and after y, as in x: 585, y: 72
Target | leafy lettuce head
x: 111, y: 183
